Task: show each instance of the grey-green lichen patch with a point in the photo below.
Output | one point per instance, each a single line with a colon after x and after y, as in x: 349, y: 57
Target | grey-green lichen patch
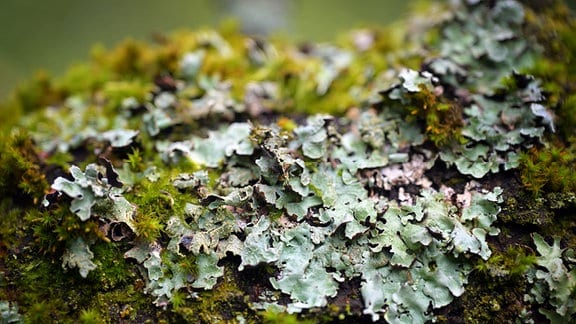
x: 163, y: 273
x: 76, y: 122
x: 326, y: 214
x: 479, y: 46
x: 96, y: 192
x: 495, y: 130
x: 211, y: 151
x: 9, y: 313
x: 477, y: 52
x: 554, y: 280
x: 78, y: 255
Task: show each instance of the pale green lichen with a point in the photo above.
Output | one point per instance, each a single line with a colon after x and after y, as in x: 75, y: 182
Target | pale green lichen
x: 78, y: 255
x: 95, y: 192
x: 479, y: 46
x: 402, y: 234
x: 9, y: 313
x: 554, y: 280
x: 162, y: 278
x: 476, y: 54
x: 74, y: 123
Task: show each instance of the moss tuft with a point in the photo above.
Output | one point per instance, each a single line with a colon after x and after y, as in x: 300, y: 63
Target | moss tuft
x: 21, y: 176
x: 226, y: 302
x: 549, y: 169
x: 443, y: 118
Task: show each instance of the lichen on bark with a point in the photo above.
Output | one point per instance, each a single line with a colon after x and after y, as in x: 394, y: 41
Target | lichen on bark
x: 220, y: 177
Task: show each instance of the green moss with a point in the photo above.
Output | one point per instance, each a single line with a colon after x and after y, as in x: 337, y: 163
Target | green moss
x: 549, y: 169
x: 127, y: 303
x: 496, y: 288
x: 21, y: 176
x: 113, y: 270
x: 443, y: 118
x: 41, y: 289
x: 116, y: 92
x: 270, y: 317
x: 492, y: 302
x: 136, y: 160
x: 226, y: 302
x: 37, y: 94
x: 45, y: 293
x: 60, y: 160
x: 83, y: 78
x: 514, y: 262
x: 554, y: 26
x: 133, y: 59
x: 55, y: 228
x: 41, y: 312
x: 524, y: 209
x: 90, y: 316
x: 13, y: 226
x: 157, y: 202
x: 550, y: 212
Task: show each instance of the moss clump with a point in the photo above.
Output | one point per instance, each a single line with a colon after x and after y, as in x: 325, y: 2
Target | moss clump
x: 21, y: 176
x: 226, y: 302
x: 43, y: 290
x: 553, y: 25
x: 488, y: 299
x: 443, y: 118
x: 39, y: 92
x: 512, y: 262
x: 549, y: 169
x: 550, y: 214
x: 497, y: 288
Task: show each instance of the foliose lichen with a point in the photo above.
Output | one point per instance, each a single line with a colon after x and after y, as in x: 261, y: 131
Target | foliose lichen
x: 554, y: 280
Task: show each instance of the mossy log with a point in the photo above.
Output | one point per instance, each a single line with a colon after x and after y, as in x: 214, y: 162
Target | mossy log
x: 399, y: 175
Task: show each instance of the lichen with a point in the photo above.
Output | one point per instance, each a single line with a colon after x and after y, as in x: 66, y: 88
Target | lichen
x: 9, y: 313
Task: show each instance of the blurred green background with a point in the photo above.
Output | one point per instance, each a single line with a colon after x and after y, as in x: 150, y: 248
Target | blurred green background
x: 51, y: 35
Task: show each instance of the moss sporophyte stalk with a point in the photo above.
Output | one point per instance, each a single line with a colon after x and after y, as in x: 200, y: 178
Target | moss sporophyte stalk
x: 218, y: 177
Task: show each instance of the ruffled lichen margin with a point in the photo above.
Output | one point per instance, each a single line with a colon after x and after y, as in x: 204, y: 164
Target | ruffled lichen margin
x: 401, y: 175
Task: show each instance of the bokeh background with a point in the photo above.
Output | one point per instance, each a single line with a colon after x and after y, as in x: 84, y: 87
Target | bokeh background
x: 53, y: 34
